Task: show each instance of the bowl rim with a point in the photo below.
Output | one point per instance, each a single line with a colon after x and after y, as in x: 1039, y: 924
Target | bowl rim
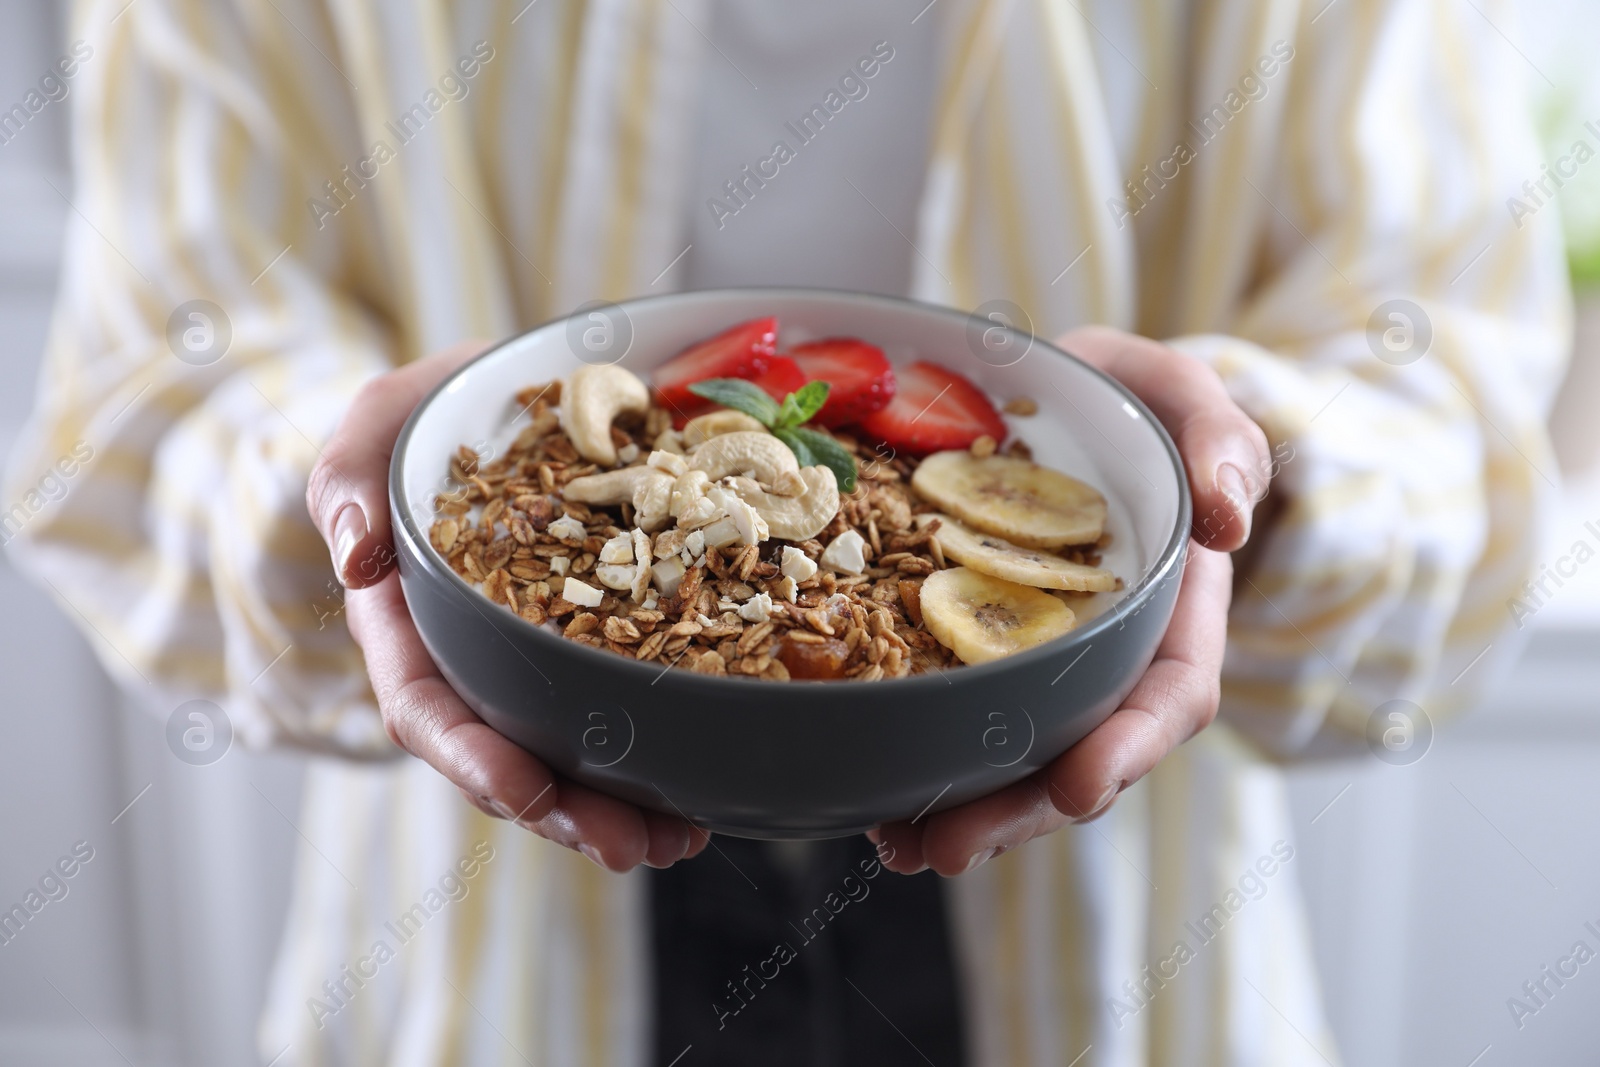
x: 1166, y: 560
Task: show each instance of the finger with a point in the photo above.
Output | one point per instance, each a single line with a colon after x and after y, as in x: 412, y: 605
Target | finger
x: 699, y: 838
x: 900, y: 847
x: 609, y: 831
x: 481, y: 803
x: 425, y: 717
x: 1225, y: 452
x: 961, y: 839
x: 882, y: 848
x: 1176, y: 698
x: 668, y: 839
x: 348, y: 491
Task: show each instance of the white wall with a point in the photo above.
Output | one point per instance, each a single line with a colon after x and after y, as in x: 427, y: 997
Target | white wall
x: 1435, y: 889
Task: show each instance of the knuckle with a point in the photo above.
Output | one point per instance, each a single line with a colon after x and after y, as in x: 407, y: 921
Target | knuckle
x: 326, y: 488
x: 375, y: 392
x: 1204, y: 697
x: 411, y: 720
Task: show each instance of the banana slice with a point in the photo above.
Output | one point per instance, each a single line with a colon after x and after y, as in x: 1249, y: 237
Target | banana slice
x: 981, y: 618
x: 1017, y: 499
x: 1000, y: 558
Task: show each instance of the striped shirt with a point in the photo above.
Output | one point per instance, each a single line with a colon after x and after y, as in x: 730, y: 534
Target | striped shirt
x: 355, y: 185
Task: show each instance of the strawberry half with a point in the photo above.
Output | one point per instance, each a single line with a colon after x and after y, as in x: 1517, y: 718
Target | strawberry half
x: 860, y: 380
x: 934, y: 409
x: 782, y: 377
x: 744, y: 351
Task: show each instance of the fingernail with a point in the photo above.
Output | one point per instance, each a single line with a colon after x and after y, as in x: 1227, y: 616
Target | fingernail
x: 593, y: 854
x: 1099, y: 805
x: 349, y: 527
x: 1230, y: 480
x: 500, y: 809
x: 979, y: 858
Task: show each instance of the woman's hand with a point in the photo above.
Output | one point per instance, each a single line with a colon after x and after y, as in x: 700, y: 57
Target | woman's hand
x: 348, y: 497
x: 1227, y: 459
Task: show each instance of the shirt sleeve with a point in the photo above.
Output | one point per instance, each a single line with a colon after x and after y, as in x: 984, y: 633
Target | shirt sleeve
x: 1401, y: 348
x: 209, y: 334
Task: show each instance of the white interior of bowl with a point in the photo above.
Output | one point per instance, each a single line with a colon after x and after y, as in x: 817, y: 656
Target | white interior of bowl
x: 1084, y: 427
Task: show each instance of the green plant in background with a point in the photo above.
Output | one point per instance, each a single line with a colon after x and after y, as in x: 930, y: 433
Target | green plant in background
x: 1568, y: 113
x: 1579, y: 195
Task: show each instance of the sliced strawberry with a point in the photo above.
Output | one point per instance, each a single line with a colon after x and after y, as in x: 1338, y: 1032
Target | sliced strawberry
x: 782, y: 377
x: 860, y: 380
x: 744, y: 351
x: 934, y: 409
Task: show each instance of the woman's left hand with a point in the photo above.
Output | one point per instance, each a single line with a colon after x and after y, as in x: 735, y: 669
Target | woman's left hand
x: 1227, y: 459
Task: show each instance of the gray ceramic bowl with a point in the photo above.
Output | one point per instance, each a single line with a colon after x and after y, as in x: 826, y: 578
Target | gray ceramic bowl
x: 800, y: 759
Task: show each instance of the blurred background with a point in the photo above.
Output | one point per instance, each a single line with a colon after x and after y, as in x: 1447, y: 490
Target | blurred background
x: 1436, y: 889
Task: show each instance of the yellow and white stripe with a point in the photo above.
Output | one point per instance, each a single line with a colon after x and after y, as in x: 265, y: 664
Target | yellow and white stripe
x: 1374, y: 167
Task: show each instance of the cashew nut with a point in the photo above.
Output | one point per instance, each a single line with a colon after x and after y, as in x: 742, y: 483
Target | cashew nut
x: 744, y: 452
x: 789, y: 483
x: 612, y: 487
x: 687, y: 491
x: 641, y: 574
x: 794, y: 518
x: 591, y: 399
x: 651, y: 500
x: 703, y: 428
x: 648, y: 489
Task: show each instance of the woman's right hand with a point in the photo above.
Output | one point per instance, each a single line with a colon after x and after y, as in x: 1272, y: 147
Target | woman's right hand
x: 348, y: 498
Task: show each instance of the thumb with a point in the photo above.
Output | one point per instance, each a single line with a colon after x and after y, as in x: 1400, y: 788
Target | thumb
x: 348, y: 492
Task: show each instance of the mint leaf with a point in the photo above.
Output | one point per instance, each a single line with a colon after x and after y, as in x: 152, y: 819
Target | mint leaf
x: 824, y: 450
x: 805, y: 402
x: 740, y: 395
x: 802, y: 451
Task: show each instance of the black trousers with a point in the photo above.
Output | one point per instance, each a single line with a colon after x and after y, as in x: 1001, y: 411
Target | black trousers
x: 801, y: 955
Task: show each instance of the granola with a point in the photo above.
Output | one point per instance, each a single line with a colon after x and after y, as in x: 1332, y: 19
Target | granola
x: 706, y: 569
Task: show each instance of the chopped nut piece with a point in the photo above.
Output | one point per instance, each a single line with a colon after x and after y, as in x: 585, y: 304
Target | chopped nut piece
x: 674, y: 465
x: 984, y: 446
x: 669, y: 543
x: 566, y: 528
x: 1022, y: 405
x: 756, y: 609
x: 618, y: 576
x: 580, y: 593
x: 796, y: 564
x: 667, y: 574
x: 617, y: 550
x: 844, y: 554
